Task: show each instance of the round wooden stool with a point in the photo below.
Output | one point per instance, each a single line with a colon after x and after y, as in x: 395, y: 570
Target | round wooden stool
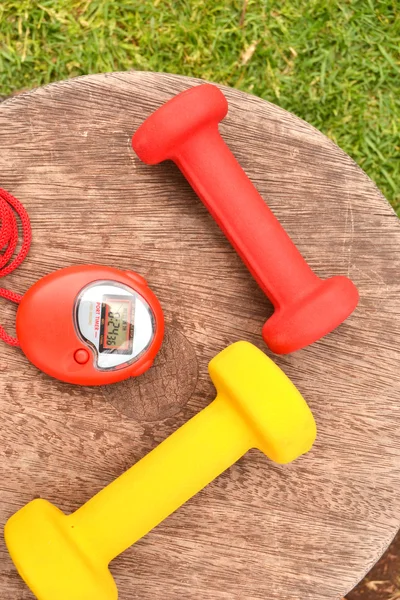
x: 309, y: 530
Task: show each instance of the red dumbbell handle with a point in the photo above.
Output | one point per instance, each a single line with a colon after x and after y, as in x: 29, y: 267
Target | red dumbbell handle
x: 244, y: 217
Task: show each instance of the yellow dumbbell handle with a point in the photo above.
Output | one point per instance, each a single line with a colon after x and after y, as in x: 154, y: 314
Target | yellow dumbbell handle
x: 162, y: 481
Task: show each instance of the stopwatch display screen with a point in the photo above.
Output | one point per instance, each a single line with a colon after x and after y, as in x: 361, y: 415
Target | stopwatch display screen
x: 115, y: 321
x: 117, y: 324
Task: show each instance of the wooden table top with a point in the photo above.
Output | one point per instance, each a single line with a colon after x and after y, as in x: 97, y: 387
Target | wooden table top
x: 309, y: 530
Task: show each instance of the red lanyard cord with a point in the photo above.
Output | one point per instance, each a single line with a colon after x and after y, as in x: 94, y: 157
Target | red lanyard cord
x: 10, y: 210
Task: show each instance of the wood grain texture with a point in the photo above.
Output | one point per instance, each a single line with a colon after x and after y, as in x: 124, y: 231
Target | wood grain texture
x: 163, y: 390
x: 306, y: 531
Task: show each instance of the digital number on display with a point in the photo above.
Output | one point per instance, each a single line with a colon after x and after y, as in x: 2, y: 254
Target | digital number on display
x: 116, y: 333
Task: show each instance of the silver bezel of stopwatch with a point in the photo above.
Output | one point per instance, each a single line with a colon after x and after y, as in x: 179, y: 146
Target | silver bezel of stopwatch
x: 90, y: 314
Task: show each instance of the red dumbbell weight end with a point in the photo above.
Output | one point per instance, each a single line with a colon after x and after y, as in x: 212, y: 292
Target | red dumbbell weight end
x: 185, y: 130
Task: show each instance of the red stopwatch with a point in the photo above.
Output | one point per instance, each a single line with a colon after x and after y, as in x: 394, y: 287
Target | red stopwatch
x: 90, y: 325
x: 87, y: 325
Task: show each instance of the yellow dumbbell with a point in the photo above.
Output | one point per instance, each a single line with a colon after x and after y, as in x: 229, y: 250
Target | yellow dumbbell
x: 66, y: 557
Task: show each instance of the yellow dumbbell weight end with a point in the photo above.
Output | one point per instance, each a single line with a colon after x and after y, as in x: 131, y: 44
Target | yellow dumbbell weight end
x: 66, y: 557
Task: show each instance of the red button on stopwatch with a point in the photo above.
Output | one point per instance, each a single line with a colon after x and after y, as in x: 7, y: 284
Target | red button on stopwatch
x: 81, y: 356
x: 90, y: 325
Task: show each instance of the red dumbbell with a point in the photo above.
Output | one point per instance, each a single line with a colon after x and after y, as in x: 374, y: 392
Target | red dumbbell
x: 185, y: 130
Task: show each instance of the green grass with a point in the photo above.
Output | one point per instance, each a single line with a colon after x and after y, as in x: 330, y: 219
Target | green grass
x: 336, y: 64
